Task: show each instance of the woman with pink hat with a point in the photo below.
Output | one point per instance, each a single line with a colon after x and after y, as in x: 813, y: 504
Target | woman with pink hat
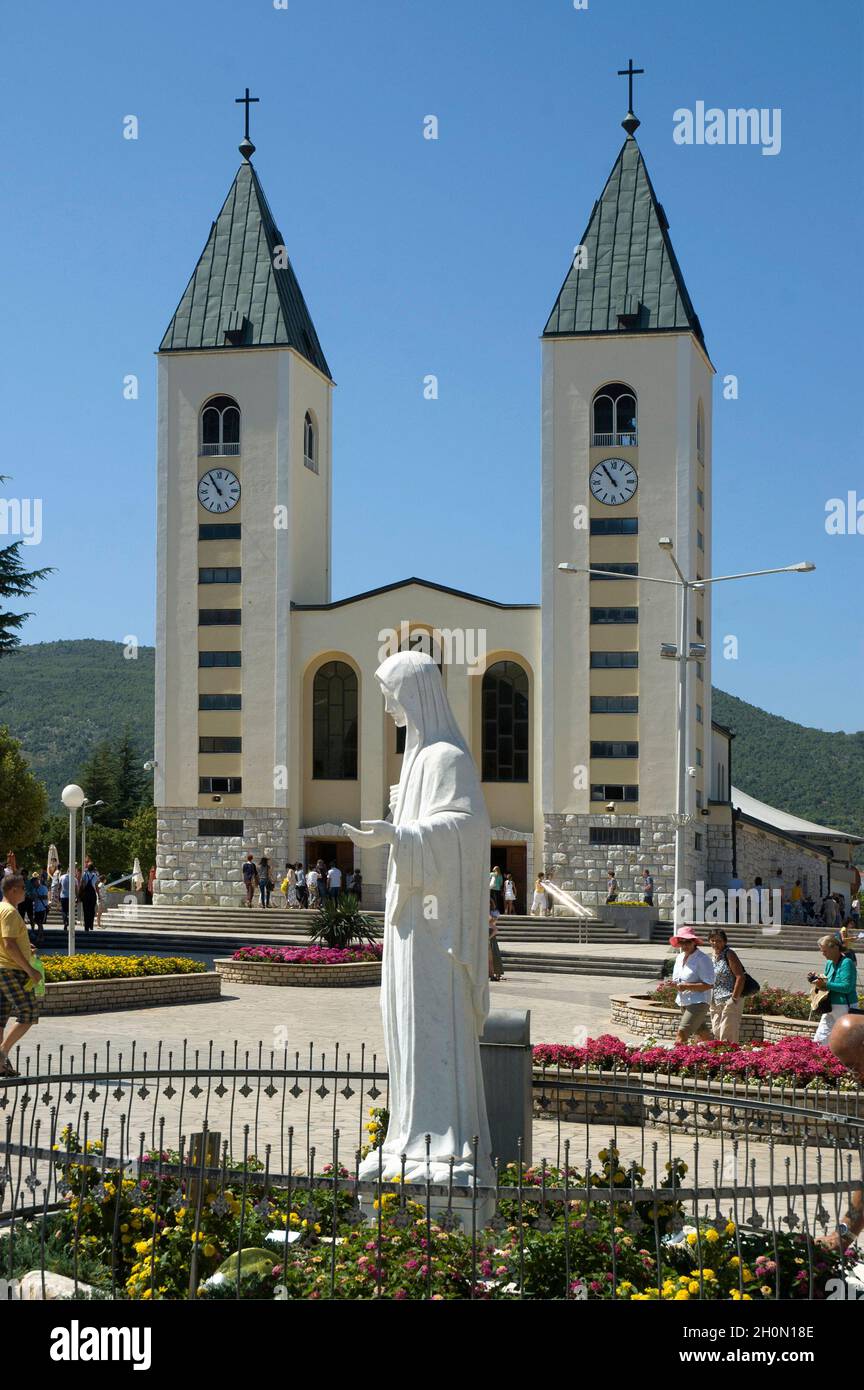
x: 694, y: 976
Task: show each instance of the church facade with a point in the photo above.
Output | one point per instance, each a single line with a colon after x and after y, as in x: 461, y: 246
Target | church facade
x: 270, y: 727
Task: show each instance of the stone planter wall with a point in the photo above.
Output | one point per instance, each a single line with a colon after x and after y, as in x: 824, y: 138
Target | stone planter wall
x: 658, y: 1101
x: 130, y: 992
x: 262, y: 972
x: 638, y: 920
x: 636, y: 1014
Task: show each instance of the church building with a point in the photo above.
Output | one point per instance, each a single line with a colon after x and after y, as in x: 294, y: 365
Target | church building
x: 270, y: 727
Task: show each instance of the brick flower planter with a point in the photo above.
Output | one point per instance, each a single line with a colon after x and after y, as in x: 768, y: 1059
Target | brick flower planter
x: 266, y: 972
x: 637, y: 1014
x: 666, y: 1102
x: 129, y: 992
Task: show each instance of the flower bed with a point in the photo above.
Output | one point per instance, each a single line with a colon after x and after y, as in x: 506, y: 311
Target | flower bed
x: 790, y: 1061
x: 304, y: 965
x: 134, y: 1239
x: 703, y: 1088
x: 782, y: 1003
x: 310, y: 955
x: 87, y: 966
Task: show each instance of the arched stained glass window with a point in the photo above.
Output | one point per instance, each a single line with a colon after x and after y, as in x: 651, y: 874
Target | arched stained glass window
x: 334, y: 723
x: 505, y: 723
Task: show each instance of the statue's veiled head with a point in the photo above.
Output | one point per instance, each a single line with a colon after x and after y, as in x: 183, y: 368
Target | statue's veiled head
x: 414, y: 695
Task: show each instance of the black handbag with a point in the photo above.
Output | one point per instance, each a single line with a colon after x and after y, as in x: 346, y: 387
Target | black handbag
x: 751, y: 986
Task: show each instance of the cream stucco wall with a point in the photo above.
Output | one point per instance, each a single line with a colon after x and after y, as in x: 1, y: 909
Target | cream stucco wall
x: 669, y: 373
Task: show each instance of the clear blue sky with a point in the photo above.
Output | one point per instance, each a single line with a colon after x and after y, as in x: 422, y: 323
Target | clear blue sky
x: 440, y: 257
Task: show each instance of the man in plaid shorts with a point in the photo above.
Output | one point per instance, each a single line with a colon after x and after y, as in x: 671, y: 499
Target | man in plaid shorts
x: 16, y: 968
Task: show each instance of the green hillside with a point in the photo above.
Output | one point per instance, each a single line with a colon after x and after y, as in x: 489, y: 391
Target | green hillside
x: 808, y: 772
x: 62, y: 698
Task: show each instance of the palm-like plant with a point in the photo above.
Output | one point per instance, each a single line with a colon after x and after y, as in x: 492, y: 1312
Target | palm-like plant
x: 339, y: 923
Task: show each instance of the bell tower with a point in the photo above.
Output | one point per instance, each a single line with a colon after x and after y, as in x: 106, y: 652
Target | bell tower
x: 244, y: 525
x: 626, y: 460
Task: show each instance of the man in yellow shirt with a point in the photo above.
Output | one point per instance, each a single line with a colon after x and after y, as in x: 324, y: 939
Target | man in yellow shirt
x: 16, y: 968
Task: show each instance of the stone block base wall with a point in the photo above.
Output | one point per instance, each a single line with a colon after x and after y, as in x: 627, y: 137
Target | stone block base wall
x: 580, y: 867
x: 760, y: 854
x: 636, y: 1015
x: 207, y: 870
x: 132, y: 992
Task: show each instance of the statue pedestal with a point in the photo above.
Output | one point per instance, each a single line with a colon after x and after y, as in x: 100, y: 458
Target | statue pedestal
x: 461, y: 1205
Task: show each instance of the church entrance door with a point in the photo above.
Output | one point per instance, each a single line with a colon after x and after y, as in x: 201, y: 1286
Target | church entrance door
x: 513, y: 859
x: 340, y: 852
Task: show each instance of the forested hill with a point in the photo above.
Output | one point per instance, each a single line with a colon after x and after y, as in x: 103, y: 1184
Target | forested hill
x: 63, y: 698
x: 809, y: 772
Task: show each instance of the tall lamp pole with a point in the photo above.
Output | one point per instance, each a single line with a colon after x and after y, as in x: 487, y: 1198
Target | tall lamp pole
x: 73, y: 799
x: 684, y: 652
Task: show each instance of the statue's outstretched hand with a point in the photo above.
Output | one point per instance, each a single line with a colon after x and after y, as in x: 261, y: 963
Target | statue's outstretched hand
x: 377, y: 832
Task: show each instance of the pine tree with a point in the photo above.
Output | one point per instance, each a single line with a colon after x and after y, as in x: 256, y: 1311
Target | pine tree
x: 130, y: 778
x: 15, y: 582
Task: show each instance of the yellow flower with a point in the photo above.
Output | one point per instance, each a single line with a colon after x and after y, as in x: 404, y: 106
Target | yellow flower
x: 210, y: 1249
x: 734, y: 1261
x: 730, y: 1228
x: 710, y: 1235
x: 693, y: 1286
x: 692, y: 1238
x: 682, y: 1294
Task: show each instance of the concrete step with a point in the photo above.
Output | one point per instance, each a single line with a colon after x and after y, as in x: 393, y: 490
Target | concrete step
x: 754, y: 938
x: 536, y: 963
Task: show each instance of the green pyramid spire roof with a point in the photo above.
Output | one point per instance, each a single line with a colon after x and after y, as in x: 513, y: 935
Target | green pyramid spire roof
x: 237, y: 297
x: 632, y: 282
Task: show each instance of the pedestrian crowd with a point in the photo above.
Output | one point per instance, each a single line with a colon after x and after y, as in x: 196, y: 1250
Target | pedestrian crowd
x: 299, y: 888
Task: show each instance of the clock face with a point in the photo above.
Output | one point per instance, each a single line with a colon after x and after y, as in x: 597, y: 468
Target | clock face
x: 219, y: 490
x: 613, y: 481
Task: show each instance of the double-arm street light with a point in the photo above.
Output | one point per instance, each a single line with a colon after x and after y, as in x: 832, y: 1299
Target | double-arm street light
x: 683, y: 652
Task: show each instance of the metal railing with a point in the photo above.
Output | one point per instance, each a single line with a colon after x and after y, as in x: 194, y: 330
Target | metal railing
x: 218, y: 450
x: 142, y: 1175
x: 626, y: 440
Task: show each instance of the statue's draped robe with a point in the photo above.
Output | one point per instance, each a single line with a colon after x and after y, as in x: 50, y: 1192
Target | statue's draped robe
x: 435, y: 979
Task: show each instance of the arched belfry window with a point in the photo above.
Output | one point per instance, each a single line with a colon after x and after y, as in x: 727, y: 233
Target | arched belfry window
x: 334, y: 723
x: 310, y: 443
x: 700, y: 432
x: 505, y: 723
x: 220, y: 426
x: 614, y: 416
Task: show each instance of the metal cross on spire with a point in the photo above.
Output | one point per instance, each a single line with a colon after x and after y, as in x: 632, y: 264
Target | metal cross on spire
x: 246, y: 147
x: 630, y: 122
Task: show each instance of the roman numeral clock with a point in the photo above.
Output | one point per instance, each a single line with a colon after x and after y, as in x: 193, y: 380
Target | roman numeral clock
x: 219, y: 490
x: 613, y: 481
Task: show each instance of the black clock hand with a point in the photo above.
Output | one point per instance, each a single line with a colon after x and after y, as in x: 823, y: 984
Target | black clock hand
x: 215, y: 484
x: 608, y: 475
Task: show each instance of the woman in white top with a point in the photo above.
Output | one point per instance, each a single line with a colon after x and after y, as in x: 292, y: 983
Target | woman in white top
x: 312, y: 885
x: 289, y: 887
x: 55, y: 887
x: 509, y: 895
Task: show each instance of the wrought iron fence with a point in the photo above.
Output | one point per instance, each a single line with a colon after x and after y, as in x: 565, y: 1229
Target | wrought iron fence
x: 172, y: 1176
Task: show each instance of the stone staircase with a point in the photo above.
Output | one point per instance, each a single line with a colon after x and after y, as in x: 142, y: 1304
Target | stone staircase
x: 748, y: 935
x: 294, y: 923
x: 546, y: 963
x: 214, y: 932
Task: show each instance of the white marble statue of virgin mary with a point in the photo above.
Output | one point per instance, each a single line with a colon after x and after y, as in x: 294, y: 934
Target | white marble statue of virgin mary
x: 435, y: 977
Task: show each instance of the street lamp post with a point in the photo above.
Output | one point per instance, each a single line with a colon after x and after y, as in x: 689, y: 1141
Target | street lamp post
x: 73, y: 799
x: 683, y: 653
